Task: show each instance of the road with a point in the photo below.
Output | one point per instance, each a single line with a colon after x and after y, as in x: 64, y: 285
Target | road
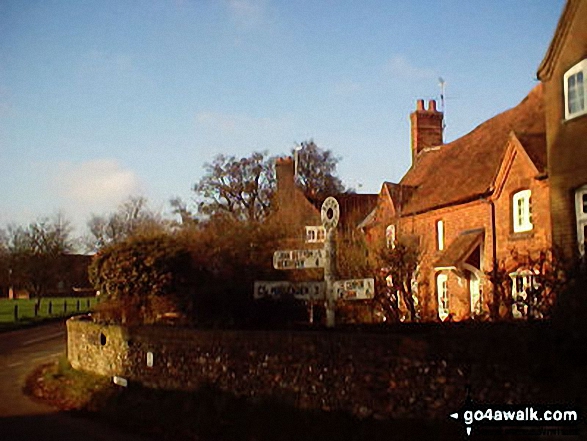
x: 23, y: 419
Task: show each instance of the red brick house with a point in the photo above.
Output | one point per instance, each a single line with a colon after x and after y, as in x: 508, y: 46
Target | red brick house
x: 470, y: 204
x: 563, y: 73
x: 300, y: 216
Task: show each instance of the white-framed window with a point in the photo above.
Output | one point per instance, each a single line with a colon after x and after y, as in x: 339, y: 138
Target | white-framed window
x: 315, y: 234
x: 522, y: 211
x: 440, y: 235
x: 390, y: 236
x: 575, y: 86
x: 442, y: 292
x: 522, y: 280
x: 581, y: 216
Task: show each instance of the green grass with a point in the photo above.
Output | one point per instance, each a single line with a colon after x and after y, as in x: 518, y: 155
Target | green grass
x: 60, y: 385
x: 50, y: 307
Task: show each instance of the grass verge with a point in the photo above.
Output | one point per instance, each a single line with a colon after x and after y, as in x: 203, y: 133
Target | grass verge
x: 62, y: 386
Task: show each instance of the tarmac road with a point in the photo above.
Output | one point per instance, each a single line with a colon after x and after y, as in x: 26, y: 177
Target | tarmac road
x: 23, y: 419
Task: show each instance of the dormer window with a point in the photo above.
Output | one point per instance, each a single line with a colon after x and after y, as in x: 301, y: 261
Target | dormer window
x: 522, y: 211
x: 575, y: 86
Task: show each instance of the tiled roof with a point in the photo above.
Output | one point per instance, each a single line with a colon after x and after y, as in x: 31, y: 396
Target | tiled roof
x: 535, y: 146
x: 465, y: 168
x: 354, y: 207
x: 460, y: 249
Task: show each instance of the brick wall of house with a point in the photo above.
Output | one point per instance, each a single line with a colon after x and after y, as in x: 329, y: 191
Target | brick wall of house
x: 292, y: 210
x: 475, y: 215
x: 522, y: 176
x: 566, y: 140
x: 456, y: 219
x: 385, y: 216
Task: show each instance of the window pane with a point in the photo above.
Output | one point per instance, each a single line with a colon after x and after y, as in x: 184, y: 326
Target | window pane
x: 576, y: 93
x: 584, y: 199
x: 580, y: 91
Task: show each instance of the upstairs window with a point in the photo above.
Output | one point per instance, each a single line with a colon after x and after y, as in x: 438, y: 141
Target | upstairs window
x: 575, y: 86
x: 390, y: 236
x: 440, y: 235
x: 522, y: 211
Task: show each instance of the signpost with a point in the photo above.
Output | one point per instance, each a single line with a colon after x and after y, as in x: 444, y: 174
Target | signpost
x: 328, y: 291
x: 284, y: 289
x: 354, y: 289
x: 298, y: 259
x: 329, y: 214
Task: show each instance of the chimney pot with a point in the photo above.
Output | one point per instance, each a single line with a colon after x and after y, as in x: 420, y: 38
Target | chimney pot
x: 432, y: 106
x: 420, y: 105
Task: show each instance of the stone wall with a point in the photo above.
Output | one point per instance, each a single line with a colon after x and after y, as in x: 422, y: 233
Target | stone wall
x: 383, y: 375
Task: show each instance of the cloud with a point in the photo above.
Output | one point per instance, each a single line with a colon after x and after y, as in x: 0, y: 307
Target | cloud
x: 248, y: 13
x: 400, y: 67
x: 95, y: 185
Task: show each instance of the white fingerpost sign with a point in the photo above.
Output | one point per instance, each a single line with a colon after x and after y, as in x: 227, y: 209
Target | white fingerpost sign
x: 298, y: 259
x: 330, y: 290
x: 354, y: 289
x: 284, y: 289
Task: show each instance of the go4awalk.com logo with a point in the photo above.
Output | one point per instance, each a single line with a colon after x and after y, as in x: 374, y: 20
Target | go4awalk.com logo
x: 531, y: 419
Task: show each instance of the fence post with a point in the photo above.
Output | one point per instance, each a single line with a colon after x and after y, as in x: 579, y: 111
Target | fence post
x: 37, y: 306
x: 15, y: 313
x: 50, y: 310
x: 88, y: 303
x: 77, y: 305
x: 65, y: 306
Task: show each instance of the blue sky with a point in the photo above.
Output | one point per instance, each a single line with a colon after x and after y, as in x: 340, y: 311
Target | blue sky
x: 100, y: 100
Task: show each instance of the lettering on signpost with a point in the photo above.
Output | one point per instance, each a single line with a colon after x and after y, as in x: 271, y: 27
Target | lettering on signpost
x: 330, y: 289
x: 284, y: 289
x: 298, y: 259
x: 354, y: 289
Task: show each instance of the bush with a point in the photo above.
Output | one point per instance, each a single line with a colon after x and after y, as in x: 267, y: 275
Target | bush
x: 144, y: 279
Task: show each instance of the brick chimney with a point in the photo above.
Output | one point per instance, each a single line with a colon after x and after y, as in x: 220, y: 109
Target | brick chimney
x: 284, y: 173
x: 426, y: 127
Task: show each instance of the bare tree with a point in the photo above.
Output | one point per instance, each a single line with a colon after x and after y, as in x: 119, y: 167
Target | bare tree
x: 131, y: 217
x: 317, y: 171
x: 35, y: 254
x: 541, y: 276
x: 397, y: 272
x: 180, y: 208
x: 240, y: 188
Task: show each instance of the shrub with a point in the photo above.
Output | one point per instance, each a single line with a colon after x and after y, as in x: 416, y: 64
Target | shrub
x: 144, y: 278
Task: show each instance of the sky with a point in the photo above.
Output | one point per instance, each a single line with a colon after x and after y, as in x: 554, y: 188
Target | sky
x: 102, y: 100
